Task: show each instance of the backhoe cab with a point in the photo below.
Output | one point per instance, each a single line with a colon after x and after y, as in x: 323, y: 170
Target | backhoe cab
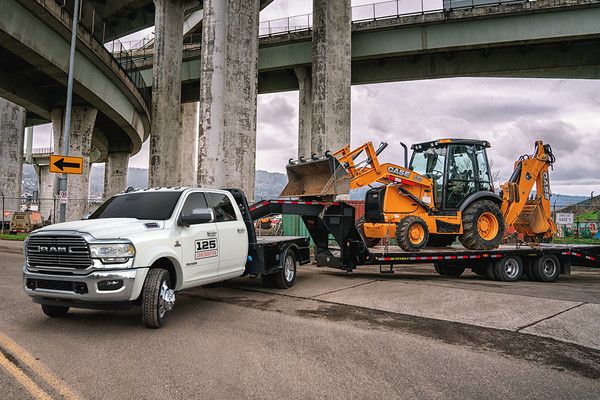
x: 445, y: 192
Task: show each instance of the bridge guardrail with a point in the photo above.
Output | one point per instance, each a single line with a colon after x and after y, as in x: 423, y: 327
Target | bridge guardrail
x: 100, y: 30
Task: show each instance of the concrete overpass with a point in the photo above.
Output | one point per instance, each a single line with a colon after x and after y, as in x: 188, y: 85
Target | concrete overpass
x: 110, y: 115
x: 542, y: 39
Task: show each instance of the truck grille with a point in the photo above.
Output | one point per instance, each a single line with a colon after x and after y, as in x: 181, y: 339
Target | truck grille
x: 58, y: 252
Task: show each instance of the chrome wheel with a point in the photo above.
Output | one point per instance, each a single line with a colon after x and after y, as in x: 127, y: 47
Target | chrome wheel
x: 166, y: 299
x: 511, y: 268
x: 549, y: 267
x: 289, y: 268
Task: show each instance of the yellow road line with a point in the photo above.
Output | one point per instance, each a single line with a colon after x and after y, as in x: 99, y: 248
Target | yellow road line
x: 32, y: 387
x: 40, y: 369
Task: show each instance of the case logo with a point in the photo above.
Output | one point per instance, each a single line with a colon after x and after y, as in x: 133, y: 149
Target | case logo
x: 398, y: 172
x: 206, y: 248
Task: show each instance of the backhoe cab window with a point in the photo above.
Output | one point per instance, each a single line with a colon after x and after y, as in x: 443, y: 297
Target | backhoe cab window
x: 430, y: 163
x: 462, y: 181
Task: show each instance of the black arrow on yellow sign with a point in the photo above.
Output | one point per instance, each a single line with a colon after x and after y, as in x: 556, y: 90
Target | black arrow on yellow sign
x: 62, y: 164
x: 66, y: 165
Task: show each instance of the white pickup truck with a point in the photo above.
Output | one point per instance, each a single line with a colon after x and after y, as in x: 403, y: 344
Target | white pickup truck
x: 142, y: 246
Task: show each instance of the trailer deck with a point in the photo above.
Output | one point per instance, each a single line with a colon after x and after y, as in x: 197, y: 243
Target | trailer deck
x: 338, y: 244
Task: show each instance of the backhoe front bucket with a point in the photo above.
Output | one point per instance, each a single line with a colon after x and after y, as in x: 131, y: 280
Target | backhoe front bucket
x: 321, y: 177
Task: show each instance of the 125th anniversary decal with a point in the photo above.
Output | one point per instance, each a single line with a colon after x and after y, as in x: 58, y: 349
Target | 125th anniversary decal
x: 206, y: 248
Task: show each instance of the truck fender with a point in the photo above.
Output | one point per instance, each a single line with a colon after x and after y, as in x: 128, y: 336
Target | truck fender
x: 479, y: 196
x: 174, y: 258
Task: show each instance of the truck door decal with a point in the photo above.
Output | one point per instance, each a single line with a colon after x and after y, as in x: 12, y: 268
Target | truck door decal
x: 206, y: 248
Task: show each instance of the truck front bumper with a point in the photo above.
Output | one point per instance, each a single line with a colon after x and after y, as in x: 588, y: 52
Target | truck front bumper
x: 115, y: 286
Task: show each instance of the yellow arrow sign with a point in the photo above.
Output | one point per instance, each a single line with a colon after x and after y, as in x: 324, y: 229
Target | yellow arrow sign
x: 66, y: 165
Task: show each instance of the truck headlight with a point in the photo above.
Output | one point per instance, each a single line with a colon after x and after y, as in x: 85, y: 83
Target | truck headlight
x: 112, y: 253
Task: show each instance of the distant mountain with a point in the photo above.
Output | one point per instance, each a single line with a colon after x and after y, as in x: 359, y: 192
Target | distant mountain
x: 268, y: 185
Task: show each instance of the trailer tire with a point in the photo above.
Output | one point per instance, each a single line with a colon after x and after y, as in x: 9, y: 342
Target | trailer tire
x: 285, y: 277
x: 483, y: 226
x: 157, y: 298
x: 490, y: 271
x: 55, y: 311
x: 509, y: 268
x: 448, y: 270
x: 545, y: 268
x: 371, y: 242
x: 412, y: 233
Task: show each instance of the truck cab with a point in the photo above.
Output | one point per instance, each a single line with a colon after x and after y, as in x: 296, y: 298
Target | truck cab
x: 142, y: 246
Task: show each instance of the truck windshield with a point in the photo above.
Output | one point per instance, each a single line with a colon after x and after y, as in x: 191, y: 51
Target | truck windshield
x: 145, y: 205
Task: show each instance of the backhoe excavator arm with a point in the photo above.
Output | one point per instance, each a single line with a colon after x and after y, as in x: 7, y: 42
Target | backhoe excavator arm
x: 370, y: 171
x: 531, y: 217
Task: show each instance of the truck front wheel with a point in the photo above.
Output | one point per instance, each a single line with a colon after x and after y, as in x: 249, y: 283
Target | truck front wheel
x: 54, y: 311
x: 158, y: 298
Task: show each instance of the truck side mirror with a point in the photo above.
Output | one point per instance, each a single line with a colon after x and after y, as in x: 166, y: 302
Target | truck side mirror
x: 198, y: 216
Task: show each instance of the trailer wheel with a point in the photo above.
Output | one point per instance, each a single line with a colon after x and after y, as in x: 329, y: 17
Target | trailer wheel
x: 508, y: 268
x: 483, y: 226
x: 371, y: 242
x: 157, y: 298
x: 412, y: 233
x: 545, y: 268
x: 448, y: 270
x: 490, y: 271
x: 54, y: 311
x: 285, y: 277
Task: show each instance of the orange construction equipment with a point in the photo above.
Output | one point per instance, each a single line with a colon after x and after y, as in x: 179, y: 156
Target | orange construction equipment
x: 446, y: 191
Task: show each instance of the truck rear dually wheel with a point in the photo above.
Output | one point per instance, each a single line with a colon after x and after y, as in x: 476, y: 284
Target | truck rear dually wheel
x: 158, y: 298
x: 285, y: 277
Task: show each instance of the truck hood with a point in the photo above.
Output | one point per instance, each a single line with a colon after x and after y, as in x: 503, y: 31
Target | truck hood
x: 106, y: 228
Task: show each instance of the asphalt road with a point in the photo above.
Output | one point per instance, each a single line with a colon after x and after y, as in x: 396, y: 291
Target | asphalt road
x: 332, y: 336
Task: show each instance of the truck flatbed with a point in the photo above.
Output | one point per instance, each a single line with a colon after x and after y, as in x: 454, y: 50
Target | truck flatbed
x: 338, y: 244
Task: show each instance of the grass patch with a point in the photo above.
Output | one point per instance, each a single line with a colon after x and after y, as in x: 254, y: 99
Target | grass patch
x: 18, y: 236
x: 575, y: 241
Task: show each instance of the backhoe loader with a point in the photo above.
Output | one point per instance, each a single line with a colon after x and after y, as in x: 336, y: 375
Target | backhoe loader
x: 445, y: 191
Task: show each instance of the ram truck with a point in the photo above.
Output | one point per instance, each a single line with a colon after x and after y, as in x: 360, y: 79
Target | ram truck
x: 142, y: 246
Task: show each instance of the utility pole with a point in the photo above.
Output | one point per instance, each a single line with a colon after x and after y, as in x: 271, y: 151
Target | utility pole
x: 2, y: 232
x: 68, y: 108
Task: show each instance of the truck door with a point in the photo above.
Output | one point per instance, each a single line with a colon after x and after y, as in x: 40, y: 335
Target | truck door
x: 200, y: 244
x: 233, y: 238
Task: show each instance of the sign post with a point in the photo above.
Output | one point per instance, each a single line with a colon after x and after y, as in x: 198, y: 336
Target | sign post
x: 68, y: 108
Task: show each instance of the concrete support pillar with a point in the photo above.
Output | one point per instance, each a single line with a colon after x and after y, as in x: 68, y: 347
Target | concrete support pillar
x: 304, y: 111
x: 228, y: 89
x: 47, y: 193
x: 188, y: 153
x: 80, y: 145
x: 331, y: 67
x: 115, y: 173
x: 165, y: 135
x: 12, y: 129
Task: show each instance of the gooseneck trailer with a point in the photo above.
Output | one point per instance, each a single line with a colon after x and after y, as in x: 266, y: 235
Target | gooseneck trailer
x: 339, y: 244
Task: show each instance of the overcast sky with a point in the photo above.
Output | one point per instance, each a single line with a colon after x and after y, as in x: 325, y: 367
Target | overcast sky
x: 510, y: 113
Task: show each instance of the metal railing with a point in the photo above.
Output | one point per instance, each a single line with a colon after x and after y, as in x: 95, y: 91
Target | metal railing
x: 101, y: 31
x: 363, y: 13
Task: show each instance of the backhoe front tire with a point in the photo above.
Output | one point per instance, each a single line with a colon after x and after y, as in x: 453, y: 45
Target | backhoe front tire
x: 483, y: 226
x: 412, y: 233
x: 371, y: 242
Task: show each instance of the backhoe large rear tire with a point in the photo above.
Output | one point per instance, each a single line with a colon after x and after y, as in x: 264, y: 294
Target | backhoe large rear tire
x: 483, y: 226
x: 371, y: 242
x: 412, y: 233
